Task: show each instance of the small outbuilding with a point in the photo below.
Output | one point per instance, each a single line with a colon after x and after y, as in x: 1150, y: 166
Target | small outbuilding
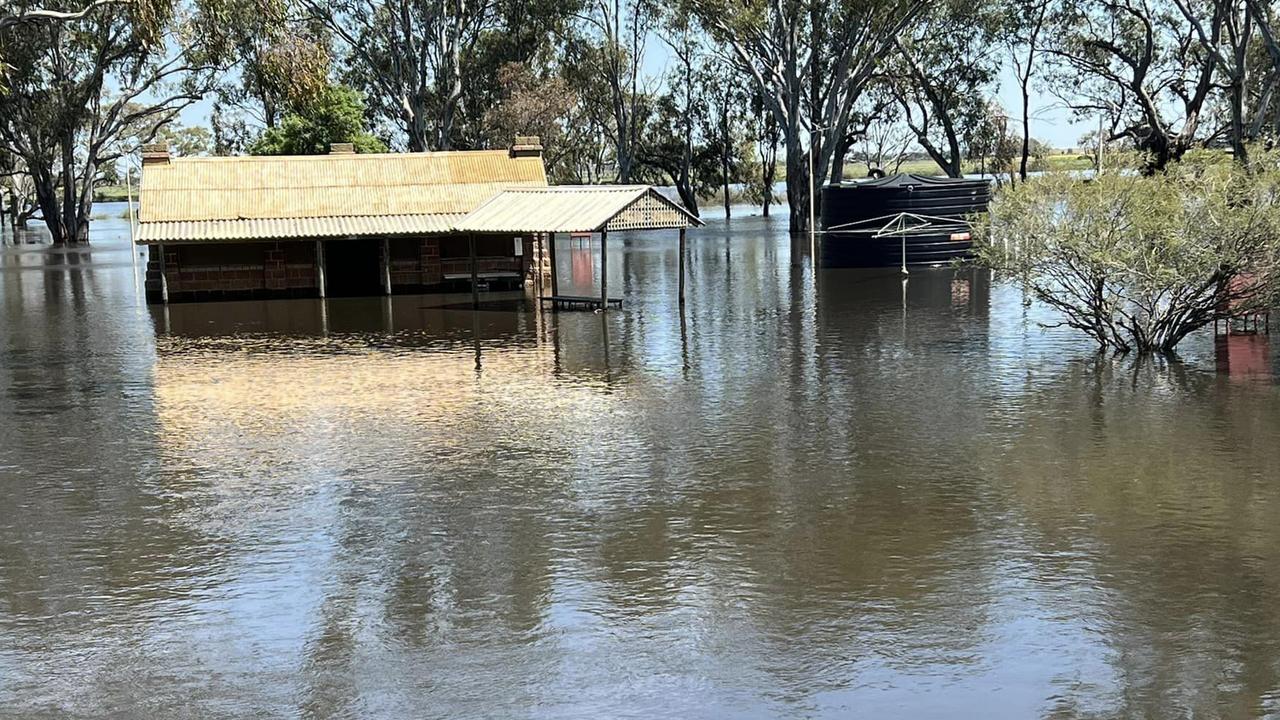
x: 340, y: 224
x: 347, y: 224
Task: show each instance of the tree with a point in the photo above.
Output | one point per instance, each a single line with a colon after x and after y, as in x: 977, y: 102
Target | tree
x: 679, y: 112
x: 335, y: 116
x: 884, y: 142
x: 17, y: 193
x: 1141, y: 65
x: 1140, y: 262
x: 941, y: 72
x: 767, y: 137
x: 1225, y: 36
x: 282, y: 62
x: 810, y: 62
x: 527, y: 34
x: 407, y: 56
x: 186, y: 141
x: 612, y: 47
x: 1024, y: 24
x: 18, y: 15
x: 84, y: 93
x: 533, y: 105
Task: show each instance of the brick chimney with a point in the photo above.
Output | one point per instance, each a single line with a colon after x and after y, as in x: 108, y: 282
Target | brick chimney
x: 526, y: 146
x: 342, y: 149
x: 157, y: 154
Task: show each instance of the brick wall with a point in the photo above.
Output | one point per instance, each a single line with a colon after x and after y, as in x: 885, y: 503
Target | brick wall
x: 212, y: 271
x: 429, y: 261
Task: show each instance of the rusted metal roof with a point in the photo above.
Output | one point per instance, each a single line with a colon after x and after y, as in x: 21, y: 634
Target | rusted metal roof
x: 570, y: 208
x: 295, y: 228
x: 321, y: 192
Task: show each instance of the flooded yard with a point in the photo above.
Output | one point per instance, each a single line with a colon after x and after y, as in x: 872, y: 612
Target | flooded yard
x: 827, y: 494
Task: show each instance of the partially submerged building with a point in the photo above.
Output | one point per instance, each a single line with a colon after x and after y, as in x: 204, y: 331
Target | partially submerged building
x: 346, y: 224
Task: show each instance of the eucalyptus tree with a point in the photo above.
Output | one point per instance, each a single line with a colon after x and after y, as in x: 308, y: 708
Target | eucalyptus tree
x: 407, y: 55
x: 531, y: 103
x: 612, y: 42
x: 525, y: 35
x: 1230, y: 47
x: 810, y: 61
x: 334, y: 115
x: 885, y: 139
x: 1022, y: 28
x: 726, y: 127
x: 679, y: 110
x: 767, y: 139
x: 12, y: 13
x: 17, y: 196
x: 1142, y: 65
x: 941, y: 74
x: 81, y: 94
x: 281, y: 63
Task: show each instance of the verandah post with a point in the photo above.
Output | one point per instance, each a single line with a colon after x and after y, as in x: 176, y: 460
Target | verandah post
x: 682, y: 248
x: 555, y: 283
x: 475, y: 273
x: 386, y: 266
x: 320, y: 280
x: 604, y: 269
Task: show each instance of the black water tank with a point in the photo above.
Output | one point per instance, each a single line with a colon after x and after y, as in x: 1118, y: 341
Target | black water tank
x: 863, y: 204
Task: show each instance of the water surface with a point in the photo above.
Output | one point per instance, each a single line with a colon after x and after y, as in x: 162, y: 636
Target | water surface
x: 804, y: 496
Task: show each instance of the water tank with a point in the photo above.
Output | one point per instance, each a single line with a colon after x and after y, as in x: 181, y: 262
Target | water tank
x: 853, y: 213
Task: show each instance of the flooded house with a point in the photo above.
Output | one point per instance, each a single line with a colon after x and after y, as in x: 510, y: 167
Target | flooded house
x: 342, y: 224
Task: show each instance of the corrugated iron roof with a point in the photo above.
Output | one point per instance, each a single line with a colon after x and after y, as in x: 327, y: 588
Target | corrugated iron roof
x: 568, y: 208
x: 320, y: 186
x: 297, y: 228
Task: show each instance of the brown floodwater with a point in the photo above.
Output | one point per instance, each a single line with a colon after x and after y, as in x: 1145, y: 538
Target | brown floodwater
x: 805, y: 496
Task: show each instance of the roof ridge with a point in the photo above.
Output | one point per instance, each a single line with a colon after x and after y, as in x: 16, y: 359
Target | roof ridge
x: 348, y: 157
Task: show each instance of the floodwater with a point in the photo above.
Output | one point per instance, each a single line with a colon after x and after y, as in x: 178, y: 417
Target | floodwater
x: 804, y: 496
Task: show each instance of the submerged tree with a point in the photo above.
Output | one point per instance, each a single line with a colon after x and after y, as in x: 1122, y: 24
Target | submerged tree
x: 1138, y: 263
x: 810, y: 62
x: 83, y: 93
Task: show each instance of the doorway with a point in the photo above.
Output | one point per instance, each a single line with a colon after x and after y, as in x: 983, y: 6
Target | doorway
x: 352, y: 268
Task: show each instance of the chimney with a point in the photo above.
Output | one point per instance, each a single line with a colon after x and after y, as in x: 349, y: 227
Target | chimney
x: 342, y: 149
x: 527, y: 146
x: 157, y: 154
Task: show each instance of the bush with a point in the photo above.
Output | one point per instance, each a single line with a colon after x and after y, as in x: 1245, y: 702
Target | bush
x: 336, y: 115
x: 1138, y: 263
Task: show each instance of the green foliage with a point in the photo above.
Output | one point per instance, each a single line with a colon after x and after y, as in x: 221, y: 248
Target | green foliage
x: 1138, y: 263
x: 336, y: 115
x: 186, y: 141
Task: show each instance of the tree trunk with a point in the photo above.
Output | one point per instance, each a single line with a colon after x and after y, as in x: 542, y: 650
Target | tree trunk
x: 47, y: 199
x: 1026, y: 124
x: 687, y: 196
x: 769, y: 159
x: 68, y: 219
x: 837, y: 158
x: 724, y: 155
x: 1238, y: 92
x: 797, y: 186
x: 415, y: 112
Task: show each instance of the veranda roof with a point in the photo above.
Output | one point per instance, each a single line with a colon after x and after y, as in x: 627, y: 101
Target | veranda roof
x: 577, y: 208
x: 296, y: 229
